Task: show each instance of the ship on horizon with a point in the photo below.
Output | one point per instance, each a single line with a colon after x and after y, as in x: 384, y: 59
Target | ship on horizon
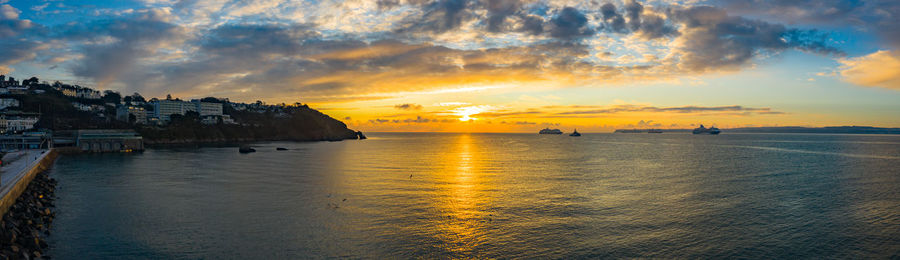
x: 575, y: 133
x: 703, y: 130
x: 548, y: 131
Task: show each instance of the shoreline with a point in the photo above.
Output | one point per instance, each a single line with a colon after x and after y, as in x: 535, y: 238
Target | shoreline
x: 27, y: 223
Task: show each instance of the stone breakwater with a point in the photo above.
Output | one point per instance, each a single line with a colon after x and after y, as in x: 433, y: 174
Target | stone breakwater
x: 27, y: 223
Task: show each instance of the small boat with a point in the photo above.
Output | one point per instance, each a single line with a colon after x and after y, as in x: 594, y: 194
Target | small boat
x: 575, y: 133
x: 281, y: 149
x: 246, y: 149
x: 654, y: 131
x: 548, y: 131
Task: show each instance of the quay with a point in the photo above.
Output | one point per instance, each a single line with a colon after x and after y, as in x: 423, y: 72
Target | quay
x: 18, y: 169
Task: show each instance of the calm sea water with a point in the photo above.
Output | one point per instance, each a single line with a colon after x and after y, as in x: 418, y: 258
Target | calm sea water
x: 489, y: 196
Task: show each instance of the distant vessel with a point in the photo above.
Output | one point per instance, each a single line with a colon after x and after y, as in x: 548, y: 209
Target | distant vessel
x: 703, y: 130
x: 548, y: 131
x: 654, y: 131
x: 575, y: 133
x: 629, y: 131
x: 246, y: 149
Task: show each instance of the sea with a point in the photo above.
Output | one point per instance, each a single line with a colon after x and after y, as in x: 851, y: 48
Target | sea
x: 473, y: 195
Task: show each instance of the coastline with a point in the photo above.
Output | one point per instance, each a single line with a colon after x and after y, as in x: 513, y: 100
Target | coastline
x: 26, y: 204
x: 236, y: 141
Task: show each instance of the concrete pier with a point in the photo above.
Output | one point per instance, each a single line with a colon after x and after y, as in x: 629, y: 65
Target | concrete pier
x: 18, y: 169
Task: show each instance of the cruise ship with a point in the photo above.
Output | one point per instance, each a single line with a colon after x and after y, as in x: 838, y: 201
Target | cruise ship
x: 548, y: 131
x: 708, y: 131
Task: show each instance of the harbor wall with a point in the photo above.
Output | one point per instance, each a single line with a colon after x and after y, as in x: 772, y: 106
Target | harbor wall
x: 43, y: 164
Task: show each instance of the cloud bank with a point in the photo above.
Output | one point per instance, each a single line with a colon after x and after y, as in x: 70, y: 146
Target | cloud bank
x: 320, y: 51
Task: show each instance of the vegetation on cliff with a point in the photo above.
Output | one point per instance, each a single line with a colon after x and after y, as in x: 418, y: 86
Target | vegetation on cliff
x: 254, y: 122
x: 292, y: 123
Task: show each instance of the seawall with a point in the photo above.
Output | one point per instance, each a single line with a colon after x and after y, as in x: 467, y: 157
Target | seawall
x: 12, y: 188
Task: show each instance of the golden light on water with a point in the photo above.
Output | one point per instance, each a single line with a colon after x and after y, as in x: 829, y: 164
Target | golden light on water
x: 461, y: 200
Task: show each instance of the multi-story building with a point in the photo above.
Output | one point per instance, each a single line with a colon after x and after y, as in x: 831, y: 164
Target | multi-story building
x: 124, y: 113
x: 163, y: 109
x: 208, y: 108
x: 9, y: 103
x: 18, y: 121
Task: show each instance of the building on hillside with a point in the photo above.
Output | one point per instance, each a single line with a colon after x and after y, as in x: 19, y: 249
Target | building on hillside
x: 164, y: 109
x: 9, y: 103
x: 79, y: 92
x: 4, y: 83
x: 14, y: 121
x: 81, y: 106
x: 208, y: 108
x: 124, y: 113
x: 19, y: 90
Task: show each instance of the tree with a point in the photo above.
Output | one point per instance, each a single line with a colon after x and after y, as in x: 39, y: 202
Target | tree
x: 112, y: 97
x: 136, y: 97
x: 168, y: 96
x: 31, y: 81
x: 211, y: 100
x: 127, y: 100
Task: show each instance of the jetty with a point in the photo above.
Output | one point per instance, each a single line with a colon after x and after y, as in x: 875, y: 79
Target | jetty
x: 18, y: 169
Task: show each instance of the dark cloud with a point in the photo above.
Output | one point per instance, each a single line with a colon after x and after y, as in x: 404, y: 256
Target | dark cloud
x: 570, y: 23
x: 613, y: 20
x: 531, y: 24
x: 408, y: 107
x: 653, y: 27
x: 417, y: 120
x: 498, y: 11
x: 684, y: 109
x: 633, y: 9
x: 712, y: 40
x: 878, y: 16
x: 13, y: 51
x: 439, y: 17
x: 134, y: 37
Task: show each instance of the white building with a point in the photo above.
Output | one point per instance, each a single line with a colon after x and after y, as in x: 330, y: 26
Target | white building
x: 9, y: 103
x: 80, y: 92
x: 17, y: 122
x: 163, y: 109
x: 208, y: 108
x: 124, y: 113
x: 81, y: 106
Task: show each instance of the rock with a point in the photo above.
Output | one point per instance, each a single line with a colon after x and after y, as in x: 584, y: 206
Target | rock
x: 245, y: 148
x: 360, y: 135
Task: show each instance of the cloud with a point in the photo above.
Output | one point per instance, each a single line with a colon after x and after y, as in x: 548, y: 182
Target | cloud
x: 438, y: 17
x: 878, y: 16
x: 315, y: 52
x: 879, y: 69
x: 408, y: 107
x: 614, y: 21
x: 10, y: 24
x: 130, y: 38
x: 570, y: 23
x: 682, y: 109
x: 713, y: 40
x: 15, y: 51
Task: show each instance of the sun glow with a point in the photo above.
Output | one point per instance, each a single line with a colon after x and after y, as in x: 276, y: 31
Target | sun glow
x: 465, y: 113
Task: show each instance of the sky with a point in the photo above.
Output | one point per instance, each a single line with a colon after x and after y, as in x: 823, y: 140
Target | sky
x: 483, y: 65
